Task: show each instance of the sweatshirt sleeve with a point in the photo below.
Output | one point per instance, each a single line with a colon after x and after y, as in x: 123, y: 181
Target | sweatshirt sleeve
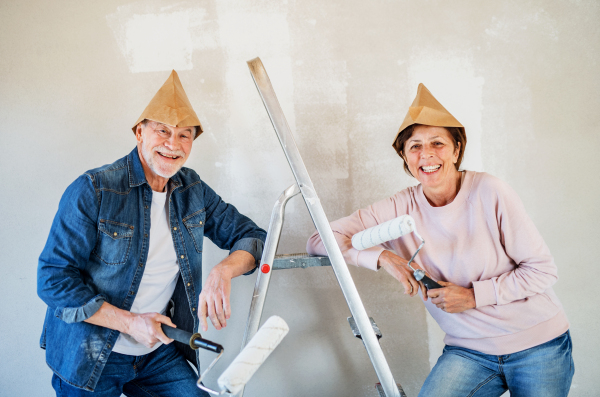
x: 345, y: 228
x: 535, y: 270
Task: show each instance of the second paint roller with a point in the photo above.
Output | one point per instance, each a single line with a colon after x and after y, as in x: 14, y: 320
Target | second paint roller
x: 241, y: 369
x: 392, y: 230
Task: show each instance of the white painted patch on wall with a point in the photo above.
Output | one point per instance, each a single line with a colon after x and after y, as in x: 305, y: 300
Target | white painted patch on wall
x: 154, y: 38
x: 451, y: 78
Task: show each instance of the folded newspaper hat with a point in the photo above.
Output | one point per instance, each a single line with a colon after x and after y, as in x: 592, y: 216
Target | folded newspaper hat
x: 426, y: 110
x: 171, y: 106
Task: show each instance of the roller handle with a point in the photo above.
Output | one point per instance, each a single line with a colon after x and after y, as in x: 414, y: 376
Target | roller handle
x: 429, y: 283
x: 195, y: 341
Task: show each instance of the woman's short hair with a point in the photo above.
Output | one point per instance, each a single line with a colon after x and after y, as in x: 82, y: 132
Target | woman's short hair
x: 457, y: 134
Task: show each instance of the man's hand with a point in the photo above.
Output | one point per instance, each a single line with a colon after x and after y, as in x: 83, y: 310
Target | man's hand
x: 397, y: 267
x: 214, y: 298
x: 144, y: 328
x: 452, y: 298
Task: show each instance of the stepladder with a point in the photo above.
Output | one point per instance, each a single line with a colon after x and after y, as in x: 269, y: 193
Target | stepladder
x: 362, y: 326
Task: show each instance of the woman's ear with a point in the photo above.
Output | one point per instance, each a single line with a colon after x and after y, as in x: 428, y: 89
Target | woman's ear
x: 456, y: 152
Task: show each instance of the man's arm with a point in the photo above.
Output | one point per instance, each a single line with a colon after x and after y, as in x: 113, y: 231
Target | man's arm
x: 144, y: 328
x: 228, y: 229
x: 71, y: 239
x: 214, y: 298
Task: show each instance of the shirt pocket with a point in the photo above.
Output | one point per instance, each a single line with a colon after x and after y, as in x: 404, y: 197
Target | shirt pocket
x: 114, y: 242
x: 194, y: 224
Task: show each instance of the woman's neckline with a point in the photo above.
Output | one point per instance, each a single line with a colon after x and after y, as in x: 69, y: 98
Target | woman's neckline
x: 466, y: 178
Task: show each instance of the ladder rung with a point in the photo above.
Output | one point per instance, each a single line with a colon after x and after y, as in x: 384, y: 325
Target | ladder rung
x: 302, y: 261
x: 357, y: 332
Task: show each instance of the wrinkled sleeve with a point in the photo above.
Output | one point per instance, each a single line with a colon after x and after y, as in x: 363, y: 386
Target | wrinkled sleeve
x: 229, y: 229
x: 345, y: 228
x: 71, y: 240
x: 535, y: 270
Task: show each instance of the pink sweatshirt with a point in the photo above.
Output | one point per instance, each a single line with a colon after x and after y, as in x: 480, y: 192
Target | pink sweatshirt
x: 484, y: 239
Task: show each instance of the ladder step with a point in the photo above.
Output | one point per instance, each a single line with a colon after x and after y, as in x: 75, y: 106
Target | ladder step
x: 299, y: 261
x: 382, y: 393
x: 357, y: 332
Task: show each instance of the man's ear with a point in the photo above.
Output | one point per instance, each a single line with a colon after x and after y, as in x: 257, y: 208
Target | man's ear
x: 138, y: 132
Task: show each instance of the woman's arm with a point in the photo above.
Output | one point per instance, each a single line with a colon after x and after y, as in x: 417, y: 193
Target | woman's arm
x: 375, y: 257
x: 535, y: 270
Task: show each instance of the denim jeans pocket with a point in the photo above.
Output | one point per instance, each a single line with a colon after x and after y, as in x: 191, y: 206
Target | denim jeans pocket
x: 114, y: 242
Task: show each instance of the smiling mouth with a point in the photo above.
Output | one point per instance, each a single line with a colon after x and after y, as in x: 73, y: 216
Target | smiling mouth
x: 429, y: 169
x: 168, y: 156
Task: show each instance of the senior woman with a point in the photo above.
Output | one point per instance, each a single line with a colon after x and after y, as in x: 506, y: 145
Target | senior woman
x: 505, y: 328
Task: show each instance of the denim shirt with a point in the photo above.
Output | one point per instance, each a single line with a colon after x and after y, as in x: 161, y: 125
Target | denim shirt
x: 97, y: 250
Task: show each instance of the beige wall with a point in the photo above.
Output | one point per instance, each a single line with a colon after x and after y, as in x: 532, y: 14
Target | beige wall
x: 523, y: 76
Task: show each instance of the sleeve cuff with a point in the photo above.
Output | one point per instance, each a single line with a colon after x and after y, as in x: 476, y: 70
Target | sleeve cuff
x: 368, y: 258
x: 252, y: 245
x: 77, y: 314
x: 485, y: 293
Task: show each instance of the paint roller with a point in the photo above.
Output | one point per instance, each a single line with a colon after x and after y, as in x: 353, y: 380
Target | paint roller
x: 392, y: 230
x: 241, y: 369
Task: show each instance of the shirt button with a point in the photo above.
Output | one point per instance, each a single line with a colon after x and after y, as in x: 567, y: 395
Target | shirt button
x: 146, y: 207
x: 193, y: 309
x: 182, y: 256
x: 200, y: 222
x: 141, y: 265
x: 174, y: 228
x: 115, y: 233
x: 130, y: 292
x: 145, y: 235
x: 108, y: 346
x: 189, y: 284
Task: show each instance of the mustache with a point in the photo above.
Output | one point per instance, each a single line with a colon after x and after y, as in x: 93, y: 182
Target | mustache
x: 164, y: 150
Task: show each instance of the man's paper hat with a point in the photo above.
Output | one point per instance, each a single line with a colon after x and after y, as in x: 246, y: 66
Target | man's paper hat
x: 171, y: 106
x: 426, y: 110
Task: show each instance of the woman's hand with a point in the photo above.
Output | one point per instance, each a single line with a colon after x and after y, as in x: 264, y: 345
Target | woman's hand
x: 397, y: 267
x: 452, y: 298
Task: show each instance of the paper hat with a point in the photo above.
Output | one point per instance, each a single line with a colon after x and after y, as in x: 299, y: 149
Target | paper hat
x: 426, y: 110
x: 171, y: 106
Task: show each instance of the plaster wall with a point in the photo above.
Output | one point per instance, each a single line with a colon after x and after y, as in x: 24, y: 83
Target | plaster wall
x: 522, y: 76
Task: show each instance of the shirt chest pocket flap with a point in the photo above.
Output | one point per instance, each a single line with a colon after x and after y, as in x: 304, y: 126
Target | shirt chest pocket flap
x: 114, y: 242
x: 194, y: 224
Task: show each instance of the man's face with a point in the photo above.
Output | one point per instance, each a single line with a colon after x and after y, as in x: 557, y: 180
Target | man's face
x: 164, y: 148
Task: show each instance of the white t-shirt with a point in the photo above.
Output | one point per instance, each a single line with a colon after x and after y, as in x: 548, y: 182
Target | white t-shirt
x: 159, y: 278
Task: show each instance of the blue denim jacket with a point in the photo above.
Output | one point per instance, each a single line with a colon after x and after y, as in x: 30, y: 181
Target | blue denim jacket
x: 97, y: 250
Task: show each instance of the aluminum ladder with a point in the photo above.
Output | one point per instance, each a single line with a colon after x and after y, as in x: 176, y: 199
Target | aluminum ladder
x: 362, y: 325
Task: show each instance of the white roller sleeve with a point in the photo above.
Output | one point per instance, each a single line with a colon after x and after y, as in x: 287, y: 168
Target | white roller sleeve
x: 387, y: 231
x: 253, y: 355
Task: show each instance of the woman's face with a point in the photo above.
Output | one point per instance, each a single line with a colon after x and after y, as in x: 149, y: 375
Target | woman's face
x: 431, y: 155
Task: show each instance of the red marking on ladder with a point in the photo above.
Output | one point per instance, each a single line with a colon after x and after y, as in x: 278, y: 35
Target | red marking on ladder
x: 265, y: 268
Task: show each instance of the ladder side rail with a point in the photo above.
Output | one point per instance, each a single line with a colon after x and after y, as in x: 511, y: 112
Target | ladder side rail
x: 319, y: 218
x: 262, y: 279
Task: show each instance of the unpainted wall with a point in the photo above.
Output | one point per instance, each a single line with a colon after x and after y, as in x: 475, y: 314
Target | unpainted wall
x: 522, y: 76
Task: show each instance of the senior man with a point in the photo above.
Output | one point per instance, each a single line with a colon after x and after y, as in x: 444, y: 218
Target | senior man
x: 126, y: 243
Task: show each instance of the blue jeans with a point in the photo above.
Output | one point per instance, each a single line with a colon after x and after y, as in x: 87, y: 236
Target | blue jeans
x: 164, y: 373
x: 545, y: 371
